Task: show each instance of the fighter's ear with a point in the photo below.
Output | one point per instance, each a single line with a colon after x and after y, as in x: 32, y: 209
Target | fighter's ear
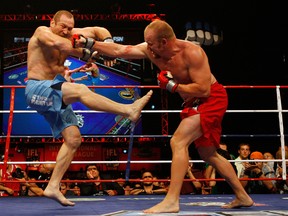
x: 52, y: 22
x: 164, y: 41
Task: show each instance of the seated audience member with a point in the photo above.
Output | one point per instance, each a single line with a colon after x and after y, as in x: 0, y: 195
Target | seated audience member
x: 282, y: 185
x: 43, y: 173
x: 74, y: 188
x: 127, y: 186
x: 272, y: 164
x: 29, y: 188
x: 98, y: 188
x: 147, y: 187
x: 244, y: 152
x: 225, y: 147
x: 65, y: 190
x: 13, y: 172
x: 191, y: 187
x: 258, y: 170
x: 219, y: 187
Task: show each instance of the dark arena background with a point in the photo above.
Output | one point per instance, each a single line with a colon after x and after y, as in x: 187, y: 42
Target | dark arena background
x: 247, y: 53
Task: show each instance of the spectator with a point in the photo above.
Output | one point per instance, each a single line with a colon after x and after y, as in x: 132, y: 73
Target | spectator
x: 43, y: 173
x: 10, y: 189
x: 125, y: 185
x: 98, y: 188
x: 244, y: 152
x: 225, y: 147
x: 65, y: 190
x: 282, y: 185
x: 219, y: 187
x: 30, y: 188
x: 147, y: 187
x: 271, y: 164
x: 191, y: 187
x: 256, y: 170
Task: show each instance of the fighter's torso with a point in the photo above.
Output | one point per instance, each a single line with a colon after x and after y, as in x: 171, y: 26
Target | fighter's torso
x: 44, y: 62
x: 182, y: 68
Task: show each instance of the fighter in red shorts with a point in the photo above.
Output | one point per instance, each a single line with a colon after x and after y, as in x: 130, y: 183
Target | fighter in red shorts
x: 192, y: 79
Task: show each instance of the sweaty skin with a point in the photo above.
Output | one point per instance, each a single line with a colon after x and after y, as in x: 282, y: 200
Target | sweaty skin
x: 189, y: 67
x: 48, y: 49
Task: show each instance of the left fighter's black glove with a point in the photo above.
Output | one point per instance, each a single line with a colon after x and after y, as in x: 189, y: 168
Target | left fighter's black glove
x: 80, y: 39
x: 108, y: 61
x: 88, y: 54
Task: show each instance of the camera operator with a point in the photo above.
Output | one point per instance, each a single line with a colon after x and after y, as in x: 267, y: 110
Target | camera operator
x: 258, y: 170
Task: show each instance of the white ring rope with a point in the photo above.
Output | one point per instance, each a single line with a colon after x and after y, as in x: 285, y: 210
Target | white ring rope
x: 135, y: 162
x: 279, y: 110
x: 153, y: 111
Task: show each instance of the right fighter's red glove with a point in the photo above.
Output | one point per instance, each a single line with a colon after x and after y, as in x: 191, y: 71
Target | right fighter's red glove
x: 79, y: 40
x: 166, y: 82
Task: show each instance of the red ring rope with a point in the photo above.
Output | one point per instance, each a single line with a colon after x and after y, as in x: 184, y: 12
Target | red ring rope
x: 10, y: 120
x: 137, y: 180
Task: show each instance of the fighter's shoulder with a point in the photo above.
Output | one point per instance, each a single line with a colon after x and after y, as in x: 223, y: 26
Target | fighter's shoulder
x: 86, y: 31
x: 41, y: 29
x: 191, y: 47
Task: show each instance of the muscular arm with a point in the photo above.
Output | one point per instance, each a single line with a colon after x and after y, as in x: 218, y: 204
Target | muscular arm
x: 200, y: 77
x: 97, y: 33
x: 47, y: 38
x: 122, y: 51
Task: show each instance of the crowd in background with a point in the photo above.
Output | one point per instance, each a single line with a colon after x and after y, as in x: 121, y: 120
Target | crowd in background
x: 259, y: 177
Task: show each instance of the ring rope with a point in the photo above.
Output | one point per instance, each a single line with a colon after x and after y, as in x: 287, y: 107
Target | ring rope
x: 279, y: 106
x: 156, y: 86
x: 135, y: 161
x: 93, y: 137
x: 151, y: 111
x: 136, y: 180
x: 137, y: 136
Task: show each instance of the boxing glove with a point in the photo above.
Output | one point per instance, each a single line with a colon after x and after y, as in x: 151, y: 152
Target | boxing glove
x: 108, y: 61
x: 108, y: 39
x: 88, y: 54
x: 85, y: 42
x: 165, y: 82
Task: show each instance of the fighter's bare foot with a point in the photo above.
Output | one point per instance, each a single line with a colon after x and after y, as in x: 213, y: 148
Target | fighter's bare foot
x: 138, y: 105
x: 58, y: 197
x: 238, y: 204
x: 163, y: 207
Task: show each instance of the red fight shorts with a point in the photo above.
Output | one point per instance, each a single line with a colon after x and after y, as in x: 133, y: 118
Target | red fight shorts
x: 211, y: 110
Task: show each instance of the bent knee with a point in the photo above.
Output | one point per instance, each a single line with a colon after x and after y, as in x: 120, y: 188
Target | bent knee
x: 177, y: 145
x: 73, y: 92
x: 74, y: 141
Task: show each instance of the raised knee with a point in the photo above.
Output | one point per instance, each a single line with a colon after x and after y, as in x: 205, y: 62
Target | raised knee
x: 81, y: 88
